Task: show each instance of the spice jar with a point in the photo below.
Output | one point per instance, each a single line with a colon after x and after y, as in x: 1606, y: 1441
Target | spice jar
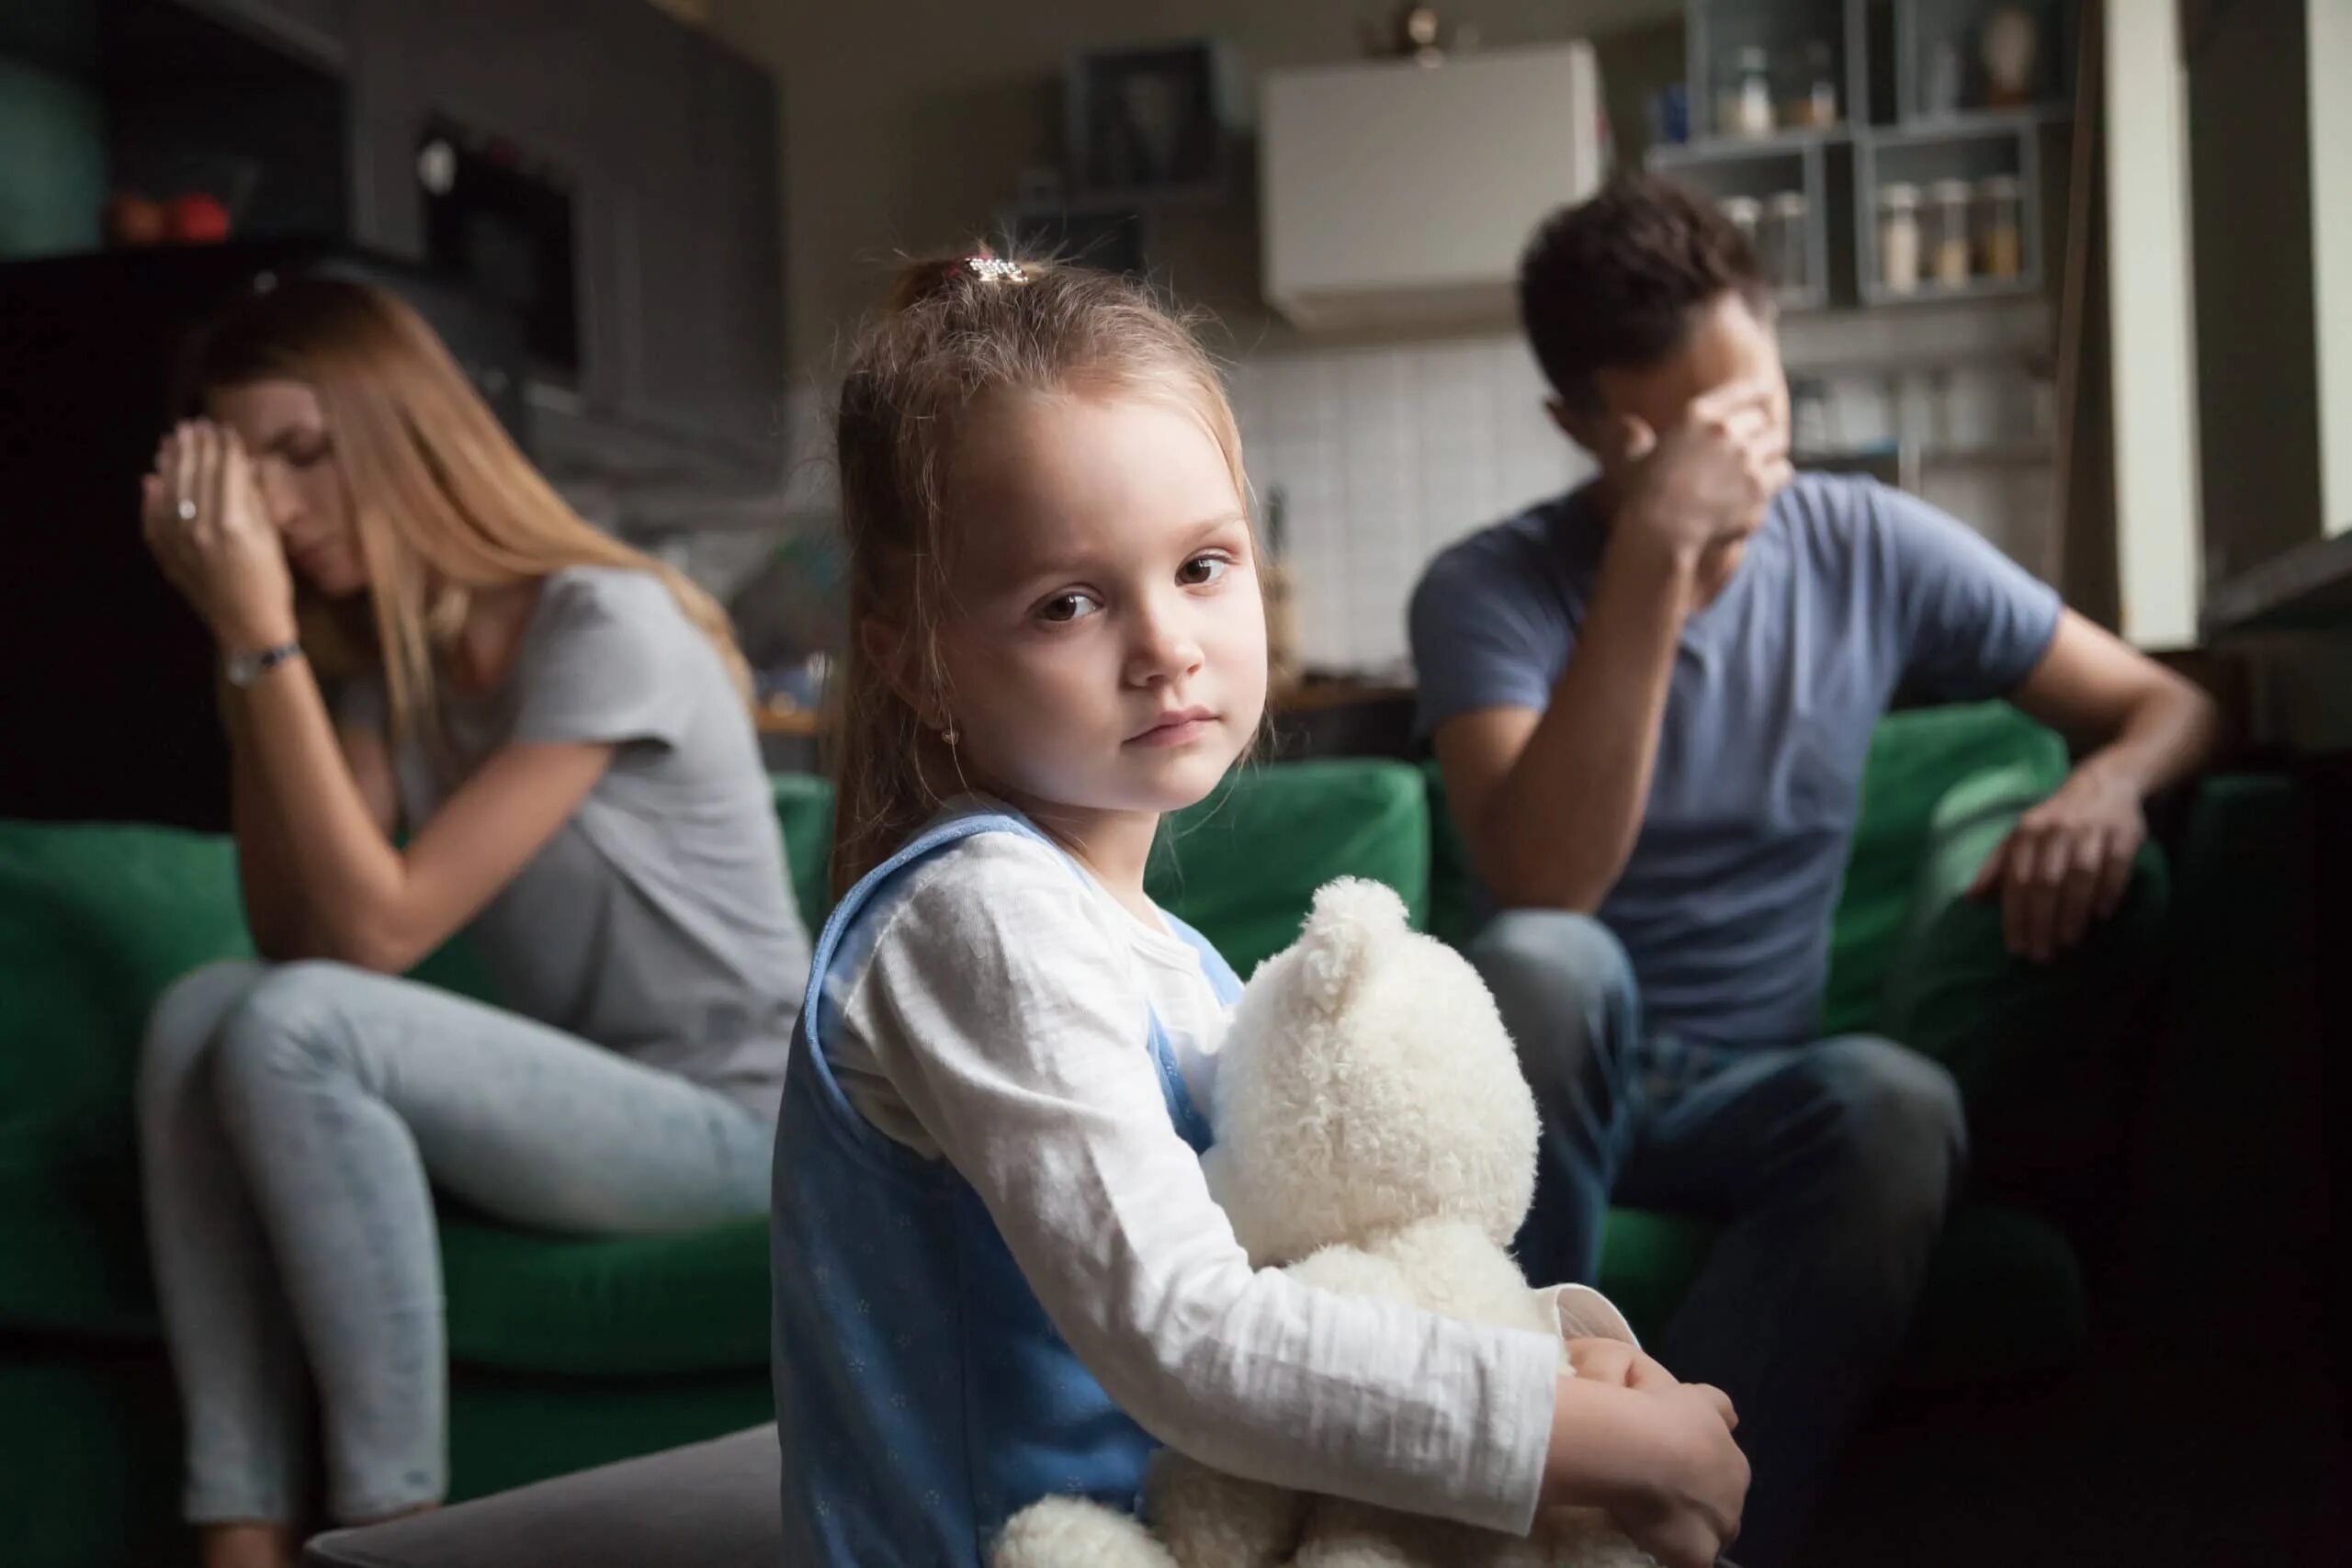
x: 1945, y: 233
x: 1745, y: 213
x: 1786, y: 256
x: 1898, y: 238
x: 1809, y: 87
x: 2000, y: 236
x: 1743, y: 95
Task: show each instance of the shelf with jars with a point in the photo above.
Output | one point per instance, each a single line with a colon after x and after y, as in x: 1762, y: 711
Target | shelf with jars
x: 1780, y: 197
x: 1946, y: 215
x: 1880, y: 152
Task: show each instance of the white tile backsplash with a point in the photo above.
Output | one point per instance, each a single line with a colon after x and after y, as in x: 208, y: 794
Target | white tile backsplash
x: 1386, y: 455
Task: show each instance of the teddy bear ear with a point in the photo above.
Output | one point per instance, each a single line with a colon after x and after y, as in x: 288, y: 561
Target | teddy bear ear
x: 1348, y: 916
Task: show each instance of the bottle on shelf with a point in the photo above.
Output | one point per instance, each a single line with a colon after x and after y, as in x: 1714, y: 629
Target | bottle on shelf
x: 1947, y: 234
x: 2000, y: 240
x: 1898, y: 238
x: 1745, y: 214
x: 1744, y: 100
x: 1787, y: 254
x: 1809, y: 87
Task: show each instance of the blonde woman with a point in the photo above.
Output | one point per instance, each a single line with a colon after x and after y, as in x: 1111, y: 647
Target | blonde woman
x: 452, y: 705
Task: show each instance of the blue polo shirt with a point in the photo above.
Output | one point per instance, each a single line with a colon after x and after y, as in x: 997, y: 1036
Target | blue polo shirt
x: 1849, y: 591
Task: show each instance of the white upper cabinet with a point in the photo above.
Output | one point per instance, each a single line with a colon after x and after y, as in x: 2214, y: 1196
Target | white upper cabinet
x: 1398, y: 194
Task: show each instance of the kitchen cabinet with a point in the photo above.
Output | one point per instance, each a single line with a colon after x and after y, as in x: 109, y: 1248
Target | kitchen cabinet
x: 1400, y: 194
x: 669, y: 144
x: 317, y: 32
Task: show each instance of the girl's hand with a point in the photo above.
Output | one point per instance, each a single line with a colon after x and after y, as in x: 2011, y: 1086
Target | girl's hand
x: 1615, y: 1362
x: 202, y: 514
x: 1684, y: 1509
x: 1660, y: 1459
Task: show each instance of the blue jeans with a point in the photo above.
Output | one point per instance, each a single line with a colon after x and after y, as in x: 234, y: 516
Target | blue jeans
x: 1830, y: 1164
x: 290, y: 1119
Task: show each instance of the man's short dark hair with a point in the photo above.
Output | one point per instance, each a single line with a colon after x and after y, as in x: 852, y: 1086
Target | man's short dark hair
x: 1610, y: 283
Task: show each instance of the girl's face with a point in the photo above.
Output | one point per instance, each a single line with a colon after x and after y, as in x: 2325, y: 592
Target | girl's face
x: 284, y: 431
x: 1105, y: 638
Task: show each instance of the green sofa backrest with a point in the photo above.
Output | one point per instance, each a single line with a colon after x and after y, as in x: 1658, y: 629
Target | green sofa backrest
x: 1916, y: 757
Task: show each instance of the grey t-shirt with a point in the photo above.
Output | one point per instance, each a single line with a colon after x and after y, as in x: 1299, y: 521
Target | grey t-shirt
x: 658, y: 921
x: 1849, y: 593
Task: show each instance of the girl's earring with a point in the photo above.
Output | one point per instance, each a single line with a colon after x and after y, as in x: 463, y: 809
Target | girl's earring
x: 948, y: 735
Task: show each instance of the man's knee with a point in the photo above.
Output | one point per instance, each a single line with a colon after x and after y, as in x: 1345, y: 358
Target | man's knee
x: 1894, y: 1137
x: 1562, y: 981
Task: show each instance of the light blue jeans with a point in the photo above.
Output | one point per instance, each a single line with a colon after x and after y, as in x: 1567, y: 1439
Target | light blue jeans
x: 292, y: 1121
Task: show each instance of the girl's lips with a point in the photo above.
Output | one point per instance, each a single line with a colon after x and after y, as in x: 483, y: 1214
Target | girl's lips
x: 1178, y: 728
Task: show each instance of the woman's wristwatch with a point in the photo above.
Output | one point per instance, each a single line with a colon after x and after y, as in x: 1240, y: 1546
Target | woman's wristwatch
x: 244, y: 669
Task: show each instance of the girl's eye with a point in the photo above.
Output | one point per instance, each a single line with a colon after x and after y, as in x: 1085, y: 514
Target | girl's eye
x: 1202, y: 570
x: 1070, y: 606
x: 308, y: 457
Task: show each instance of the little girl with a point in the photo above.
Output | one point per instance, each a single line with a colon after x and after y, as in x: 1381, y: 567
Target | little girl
x: 998, y: 1273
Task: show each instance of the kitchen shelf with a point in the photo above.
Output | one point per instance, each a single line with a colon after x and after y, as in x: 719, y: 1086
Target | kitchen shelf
x: 1882, y: 50
x: 1970, y: 122
x: 1877, y: 294
x: 1741, y: 149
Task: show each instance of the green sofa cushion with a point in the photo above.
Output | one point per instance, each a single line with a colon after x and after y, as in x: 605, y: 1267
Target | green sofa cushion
x: 1953, y: 989
x: 94, y: 921
x: 1916, y: 757
x: 1244, y: 864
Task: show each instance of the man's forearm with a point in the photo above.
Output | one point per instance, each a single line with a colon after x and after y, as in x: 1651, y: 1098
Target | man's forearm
x: 2169, y: 735
x: 1558, y: 829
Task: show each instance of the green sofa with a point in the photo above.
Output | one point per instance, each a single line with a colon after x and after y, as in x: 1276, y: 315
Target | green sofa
x: 567, y: 1353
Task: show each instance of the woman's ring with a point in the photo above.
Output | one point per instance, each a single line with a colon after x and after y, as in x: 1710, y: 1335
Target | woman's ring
x: 186, y: 508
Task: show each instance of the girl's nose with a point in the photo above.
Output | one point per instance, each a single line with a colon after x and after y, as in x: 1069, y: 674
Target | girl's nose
x: 1165, y: 645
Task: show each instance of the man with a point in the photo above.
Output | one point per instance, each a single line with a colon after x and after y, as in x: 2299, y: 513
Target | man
x: 1651, y: 699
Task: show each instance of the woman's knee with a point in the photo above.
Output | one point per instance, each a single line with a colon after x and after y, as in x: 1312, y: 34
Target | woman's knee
x: 285, y: 1027
x: 1896, y: 1128
x: 185, y: 1023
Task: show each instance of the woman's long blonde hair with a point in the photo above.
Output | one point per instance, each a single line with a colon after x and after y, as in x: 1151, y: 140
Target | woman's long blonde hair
x: 957, y: 330
x: 443, y: 505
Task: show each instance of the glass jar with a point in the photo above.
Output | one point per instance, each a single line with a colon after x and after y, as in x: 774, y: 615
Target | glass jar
x: 1786, y: 250
x: 2000, y: 233
x: 1745, y: 214
x: 1898, y: 238
x: 1744, y: 94
x: 1944, y: 233
x: 1809, y: 87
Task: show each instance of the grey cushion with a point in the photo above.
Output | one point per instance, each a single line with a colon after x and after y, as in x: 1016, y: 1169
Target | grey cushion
x: 710, y: 1504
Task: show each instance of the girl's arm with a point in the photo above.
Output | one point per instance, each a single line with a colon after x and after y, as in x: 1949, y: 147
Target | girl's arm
x: 1006, y: 1016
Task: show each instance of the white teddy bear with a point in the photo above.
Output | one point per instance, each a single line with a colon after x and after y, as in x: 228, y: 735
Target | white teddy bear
x: 1373, y: 1137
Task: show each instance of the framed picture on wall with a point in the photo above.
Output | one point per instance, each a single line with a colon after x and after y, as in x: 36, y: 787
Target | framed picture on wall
x: 1150, y: 124
x: 1108, y: 237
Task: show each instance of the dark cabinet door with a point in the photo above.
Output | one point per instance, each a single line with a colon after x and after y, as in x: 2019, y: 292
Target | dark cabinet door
x: 712, y: 305
x: 316, y: 31
x: 670, y: 143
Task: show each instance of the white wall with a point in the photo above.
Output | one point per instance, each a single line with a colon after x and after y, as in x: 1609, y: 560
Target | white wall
x: 2149, y: 297
x: 2330, y: 35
